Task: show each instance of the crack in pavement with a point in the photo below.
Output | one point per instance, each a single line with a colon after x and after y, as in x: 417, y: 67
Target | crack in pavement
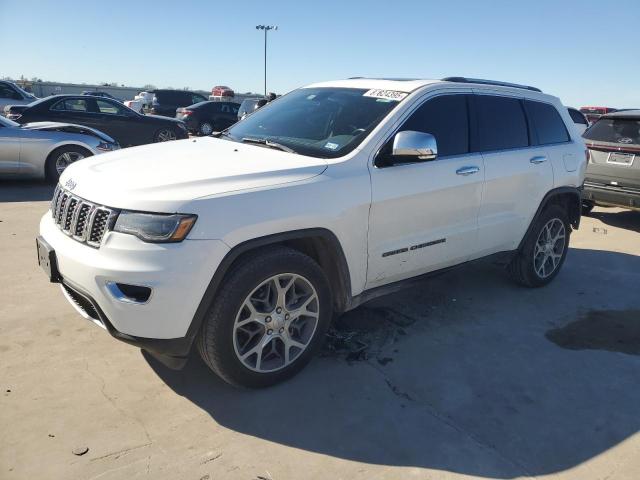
x: 115, y: 405
x: 120, y: 452
x: 447, y: 420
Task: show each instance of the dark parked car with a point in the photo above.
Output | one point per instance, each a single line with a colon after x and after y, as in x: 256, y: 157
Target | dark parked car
x: 166, y: 102
x: 250, y: 105
x: 109, y: 116
x: 101, y: 94
x: 613, y: 171
x: 206, y: 117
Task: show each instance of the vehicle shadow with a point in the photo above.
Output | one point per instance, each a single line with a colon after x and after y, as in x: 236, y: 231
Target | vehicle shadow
x: 25, y: 190
x: 459, y: 377
x: 627, y: 219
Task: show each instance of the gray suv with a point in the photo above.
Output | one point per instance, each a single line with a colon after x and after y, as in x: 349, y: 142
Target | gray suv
x: 12, y: 94
x: 613, y: 172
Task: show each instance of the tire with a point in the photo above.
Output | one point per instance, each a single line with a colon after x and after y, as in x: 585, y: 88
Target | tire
x: 165, y: 135
x: 54, y: 165
x: 587, y: 207
x: 222, y: 342
x: 205, y: 128
x: 537, y: 266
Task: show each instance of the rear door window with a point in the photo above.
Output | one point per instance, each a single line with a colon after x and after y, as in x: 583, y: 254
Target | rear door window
x: 501, y: 123
x: 623, y: 131
x: 547, y: 123
x: 446, y: 118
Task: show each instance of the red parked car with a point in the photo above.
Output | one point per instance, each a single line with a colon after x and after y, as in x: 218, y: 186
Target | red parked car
x: 222, y: 91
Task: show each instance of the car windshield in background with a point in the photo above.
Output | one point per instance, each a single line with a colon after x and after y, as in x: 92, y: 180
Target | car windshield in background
x: 320, y: 122
x: 615, y: 130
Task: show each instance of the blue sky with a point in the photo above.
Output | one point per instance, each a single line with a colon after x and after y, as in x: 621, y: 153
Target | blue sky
x: 584, y: 51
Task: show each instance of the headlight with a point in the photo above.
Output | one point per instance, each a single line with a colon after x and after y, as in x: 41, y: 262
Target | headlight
x: 155, y: 227
x: 107, y: 147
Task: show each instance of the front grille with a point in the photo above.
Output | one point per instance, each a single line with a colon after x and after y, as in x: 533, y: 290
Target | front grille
x: 84, y: 221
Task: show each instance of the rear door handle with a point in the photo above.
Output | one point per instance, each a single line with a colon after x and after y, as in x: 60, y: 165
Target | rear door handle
x: 467, y: 170
x: 540, y: 159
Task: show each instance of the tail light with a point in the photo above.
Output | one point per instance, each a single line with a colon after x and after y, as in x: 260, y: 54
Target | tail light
x: 186, y: 113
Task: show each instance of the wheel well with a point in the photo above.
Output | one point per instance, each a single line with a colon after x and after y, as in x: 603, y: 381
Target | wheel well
x: 571, y: 202
x: 325, y: 252
x: 62, y: 147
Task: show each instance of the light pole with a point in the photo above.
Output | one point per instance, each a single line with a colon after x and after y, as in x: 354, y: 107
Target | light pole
x: 266, y: 28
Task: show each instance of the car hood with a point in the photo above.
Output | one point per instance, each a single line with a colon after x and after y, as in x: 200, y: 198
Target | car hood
x: 163, y: 177
x: 67, y: 128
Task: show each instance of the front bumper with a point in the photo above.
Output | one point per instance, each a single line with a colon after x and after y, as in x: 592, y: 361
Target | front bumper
x: 611, y: 195
x: 178, y: 275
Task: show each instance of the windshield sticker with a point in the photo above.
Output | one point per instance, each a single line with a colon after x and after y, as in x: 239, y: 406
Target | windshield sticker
x: 331, y: 146
x: 386, y: 94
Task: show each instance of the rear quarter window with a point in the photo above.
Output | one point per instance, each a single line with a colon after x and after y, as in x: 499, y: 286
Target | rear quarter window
x: 547, y: 123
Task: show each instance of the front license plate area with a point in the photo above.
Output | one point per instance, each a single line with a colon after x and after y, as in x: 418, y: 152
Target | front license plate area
x: 47, y: 260
x: 624, y: 159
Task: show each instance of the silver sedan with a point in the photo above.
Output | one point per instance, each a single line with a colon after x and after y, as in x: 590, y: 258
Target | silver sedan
x: 45, y: 149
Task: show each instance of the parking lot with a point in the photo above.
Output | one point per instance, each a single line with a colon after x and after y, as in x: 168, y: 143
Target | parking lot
x: 466, y: 375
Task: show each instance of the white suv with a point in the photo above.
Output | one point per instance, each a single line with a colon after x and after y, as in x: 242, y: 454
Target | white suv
x: 247, y: 243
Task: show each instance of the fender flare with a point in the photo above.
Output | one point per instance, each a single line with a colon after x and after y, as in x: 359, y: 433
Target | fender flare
x: 574, y: 216
x: 342, y: 291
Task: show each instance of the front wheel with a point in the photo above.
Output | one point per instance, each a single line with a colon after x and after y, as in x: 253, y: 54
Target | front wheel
x: 268, y: 319
x: 544, y: 249
x: 61, y: 158
x: 164, y: 135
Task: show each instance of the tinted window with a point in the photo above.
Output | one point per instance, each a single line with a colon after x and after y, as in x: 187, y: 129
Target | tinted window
x: 546, y: 122
x: 71, y: 104
x: 577, y: 117
x: 109, y: 107
x: 446, y: 119
x: 501, y: 123
x: 615, y: 130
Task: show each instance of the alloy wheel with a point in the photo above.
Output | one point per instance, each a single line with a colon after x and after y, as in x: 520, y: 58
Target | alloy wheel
x: 166, y: 135
x: 65, y: 159
x: 276, y: 323
x: 206, y: 129
x: 549, y: 248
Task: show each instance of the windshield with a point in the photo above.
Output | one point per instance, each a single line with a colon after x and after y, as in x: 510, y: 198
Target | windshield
x: 615, y: 130
x: 5, y: 122
x: 320, y: 122
x: 24, y: 92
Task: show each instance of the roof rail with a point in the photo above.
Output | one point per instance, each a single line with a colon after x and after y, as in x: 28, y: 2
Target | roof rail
x: 489, y: 82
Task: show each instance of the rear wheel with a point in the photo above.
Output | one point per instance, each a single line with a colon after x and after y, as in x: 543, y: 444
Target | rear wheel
x: 544, y: 249
x: 268, y: 319
x: 206, y: 128
x: 61, y: 158
x: 165, y: 135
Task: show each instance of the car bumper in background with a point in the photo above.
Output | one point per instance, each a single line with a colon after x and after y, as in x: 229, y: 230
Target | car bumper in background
x: 611, y: 195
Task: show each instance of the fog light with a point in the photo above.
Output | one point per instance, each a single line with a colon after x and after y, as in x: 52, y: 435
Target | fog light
x: 123, y: 292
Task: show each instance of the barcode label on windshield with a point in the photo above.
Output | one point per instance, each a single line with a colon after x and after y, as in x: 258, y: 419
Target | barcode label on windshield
x: 386, y: 94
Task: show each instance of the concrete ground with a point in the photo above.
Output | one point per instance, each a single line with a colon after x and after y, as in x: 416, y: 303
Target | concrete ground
x: 465, y: 376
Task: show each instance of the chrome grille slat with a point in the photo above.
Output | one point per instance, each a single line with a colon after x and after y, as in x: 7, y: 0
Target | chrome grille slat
x: 84, y: 221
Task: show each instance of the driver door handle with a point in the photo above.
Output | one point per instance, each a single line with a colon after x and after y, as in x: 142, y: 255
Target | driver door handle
x: 467, y: 170
x: 539, y: 159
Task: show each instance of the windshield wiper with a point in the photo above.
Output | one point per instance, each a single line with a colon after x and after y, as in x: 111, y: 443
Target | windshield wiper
x: 268, y: 143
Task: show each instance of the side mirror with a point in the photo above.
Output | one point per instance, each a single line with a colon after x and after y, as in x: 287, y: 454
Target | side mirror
x: 411, y: 145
